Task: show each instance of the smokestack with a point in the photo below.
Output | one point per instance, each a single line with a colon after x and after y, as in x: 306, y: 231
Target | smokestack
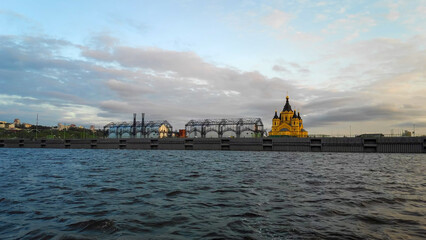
x: 134, y: 125
x: 143, y: 125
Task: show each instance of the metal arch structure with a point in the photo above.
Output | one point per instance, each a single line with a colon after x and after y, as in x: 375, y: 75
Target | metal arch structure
x: 154, y: 126
x: 220, y: 126
x: 118, y: 128
x: 144, y: 129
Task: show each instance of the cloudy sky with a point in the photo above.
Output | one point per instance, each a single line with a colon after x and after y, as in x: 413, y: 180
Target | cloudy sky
x: 346, y: 65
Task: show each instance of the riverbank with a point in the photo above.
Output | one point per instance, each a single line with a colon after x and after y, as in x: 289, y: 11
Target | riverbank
x: 381, y: 145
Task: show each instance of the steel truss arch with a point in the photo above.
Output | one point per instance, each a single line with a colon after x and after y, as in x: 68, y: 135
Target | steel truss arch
x: 236, y: 125
x: 143, y: 129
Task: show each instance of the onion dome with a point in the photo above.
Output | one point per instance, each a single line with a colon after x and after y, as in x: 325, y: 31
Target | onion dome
x: 298, y: 116
x: 287, y: 106
x: 294, y: 115
x: 276, y: 115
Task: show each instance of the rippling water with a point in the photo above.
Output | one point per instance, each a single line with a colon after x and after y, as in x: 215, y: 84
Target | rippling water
x: 116, y: 194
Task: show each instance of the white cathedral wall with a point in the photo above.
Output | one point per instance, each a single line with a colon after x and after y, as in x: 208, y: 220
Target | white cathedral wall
x: 212, y: 134
x: 229, y: 134
x: 247, y: 134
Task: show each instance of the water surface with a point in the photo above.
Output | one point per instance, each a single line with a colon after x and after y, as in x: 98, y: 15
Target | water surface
x: 116, y: 194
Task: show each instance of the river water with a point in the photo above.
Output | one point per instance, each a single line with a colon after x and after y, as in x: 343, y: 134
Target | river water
x: 124, y: 194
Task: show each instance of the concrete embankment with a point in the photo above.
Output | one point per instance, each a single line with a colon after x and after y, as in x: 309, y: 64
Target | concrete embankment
x: 381, y: 145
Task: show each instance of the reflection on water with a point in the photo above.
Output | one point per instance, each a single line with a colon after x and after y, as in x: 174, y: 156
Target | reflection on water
x: 113, y: 194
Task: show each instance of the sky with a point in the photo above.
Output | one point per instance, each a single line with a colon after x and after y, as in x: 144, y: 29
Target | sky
x: 349, y: 67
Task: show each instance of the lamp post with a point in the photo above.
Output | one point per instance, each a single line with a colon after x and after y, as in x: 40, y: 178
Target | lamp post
x: 36, y: 126
x: 414, y: 130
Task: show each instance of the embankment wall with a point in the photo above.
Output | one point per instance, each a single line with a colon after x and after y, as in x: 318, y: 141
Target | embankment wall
x: 380, y: 145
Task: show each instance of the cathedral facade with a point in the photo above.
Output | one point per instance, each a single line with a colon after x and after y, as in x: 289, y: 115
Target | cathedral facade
x: 288, y: 123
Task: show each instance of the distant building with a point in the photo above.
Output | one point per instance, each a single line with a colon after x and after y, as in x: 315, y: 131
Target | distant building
x: 63, y: 127
x: 26, y: 125
x: 3, y: 124
x: 163, y: 131
x: 406, y: 133
x: 17, y: 121
x: 92, y: 128
x: 182, y: 133
x: 289, y: 123
x: 10, y: 126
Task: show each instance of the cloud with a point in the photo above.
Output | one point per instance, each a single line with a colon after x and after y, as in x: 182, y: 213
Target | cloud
x: 104, y: 40
x: 14, y: 15
x: 63, y: 112
x: 350, y: 26
x: 413, y: 19
x: 279, y: 23
x: 357, y: 114
x: 280, y: 68
x: 13, y: 22
x: 187, y: 64
x: 380, y: 60
x: 411, y: 125
x: 114, y: 81
x: 320, y: 17
x: 324, y: 104
x: 277, y: 19
x: 67, y: 97
x: 129, y: 23
x: 6, y: 99
x: 290, y: 67
x: 377, y: 83
x: 393, y: 14
x: 110, y: 81
x: 128, y: 89
x: 272, y: 20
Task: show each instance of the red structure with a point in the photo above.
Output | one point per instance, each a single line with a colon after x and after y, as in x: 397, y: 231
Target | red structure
x: 182, y: 133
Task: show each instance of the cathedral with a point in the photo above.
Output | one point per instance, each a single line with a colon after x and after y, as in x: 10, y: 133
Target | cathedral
x: 288, y: 124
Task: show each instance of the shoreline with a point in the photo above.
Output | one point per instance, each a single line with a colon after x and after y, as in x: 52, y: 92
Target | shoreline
x: 325, y: 144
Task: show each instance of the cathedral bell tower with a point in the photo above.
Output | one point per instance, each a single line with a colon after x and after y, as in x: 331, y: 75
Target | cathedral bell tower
x: 275, y: 121
x: 286, y: 112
